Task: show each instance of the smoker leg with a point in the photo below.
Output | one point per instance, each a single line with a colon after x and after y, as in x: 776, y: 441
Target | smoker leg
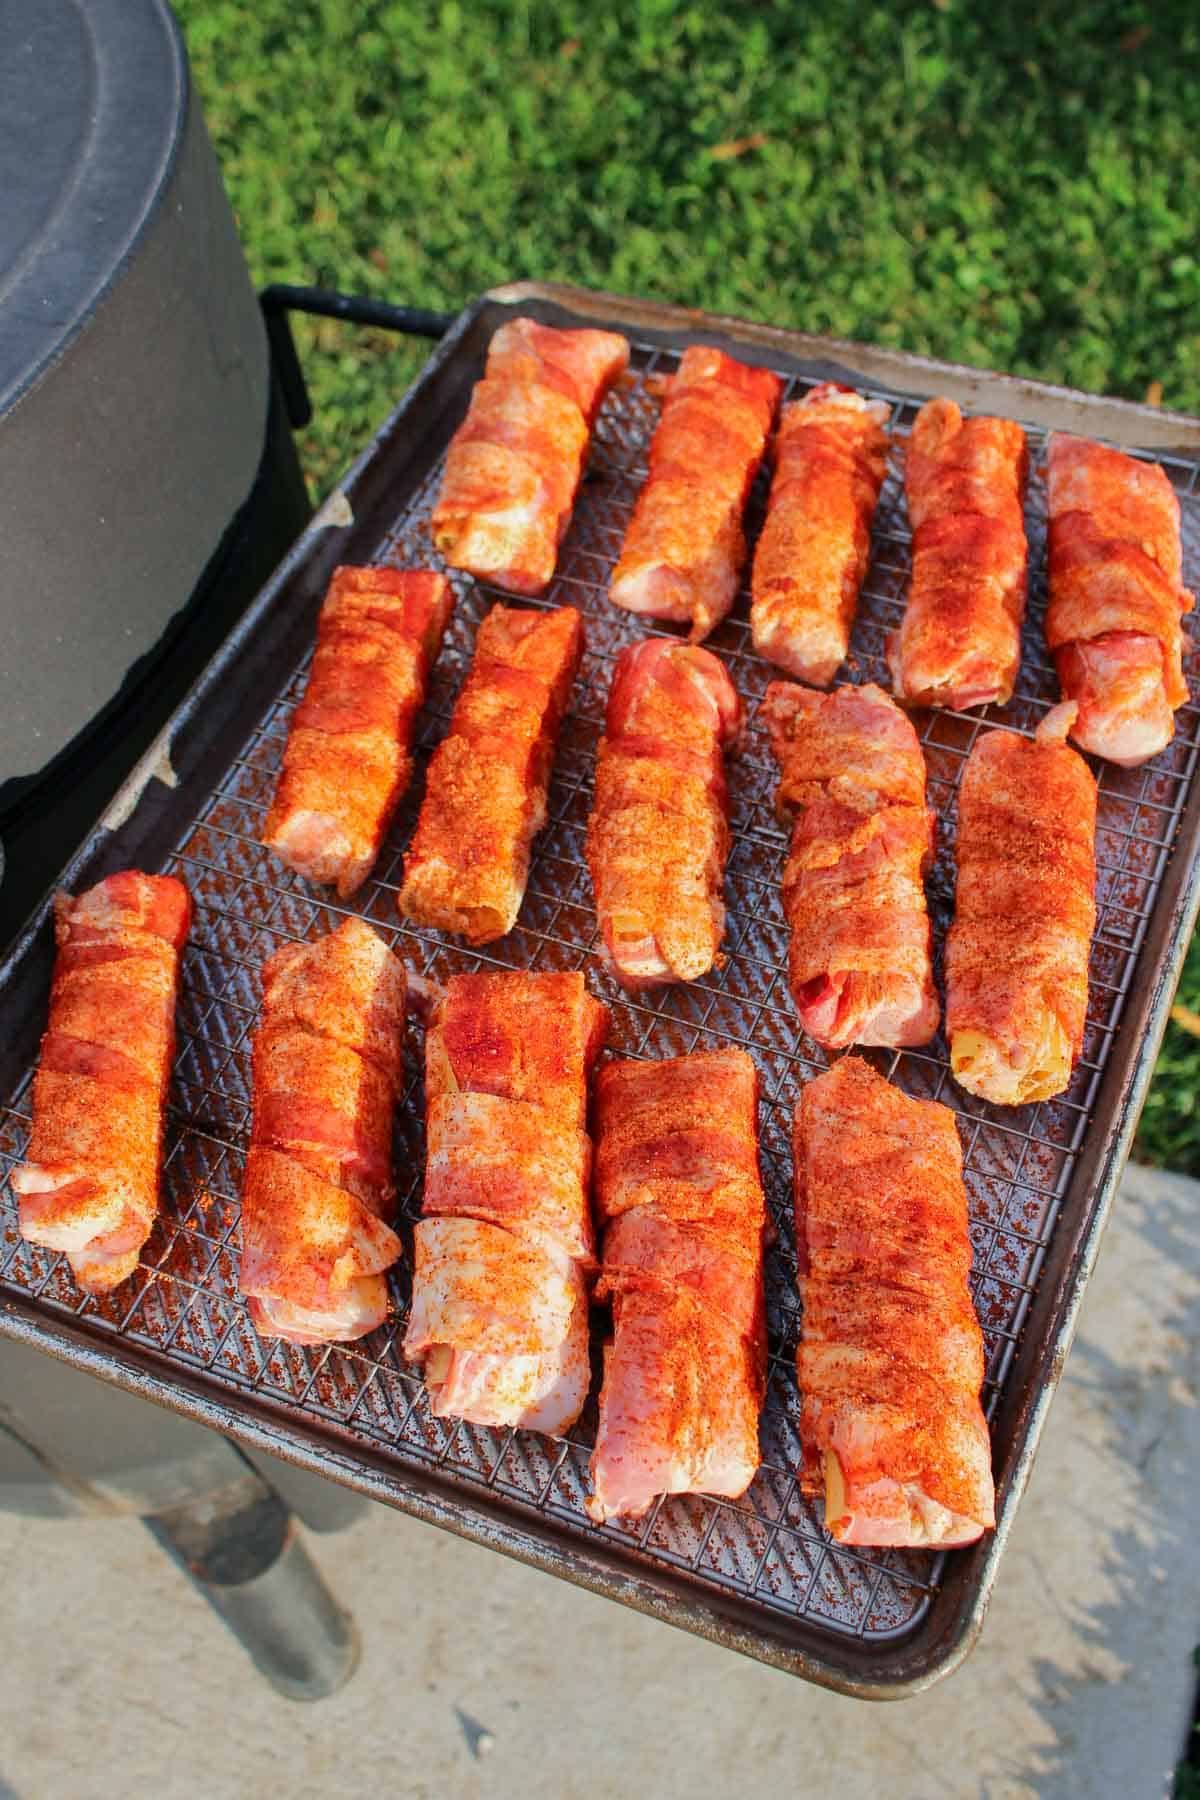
x: 240, y: 1548
x: 72, y: 1444
x: 320, y: 1504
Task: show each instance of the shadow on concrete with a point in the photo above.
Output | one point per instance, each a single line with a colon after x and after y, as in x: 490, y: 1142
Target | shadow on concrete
x: 1135, y: 1369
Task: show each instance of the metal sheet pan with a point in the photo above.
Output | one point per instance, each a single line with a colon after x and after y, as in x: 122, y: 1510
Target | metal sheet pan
x: 759, y: 1575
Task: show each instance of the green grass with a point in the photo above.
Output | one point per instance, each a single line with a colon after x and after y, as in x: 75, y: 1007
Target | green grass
x: 1169, y: 1133
x: 1012, y: 187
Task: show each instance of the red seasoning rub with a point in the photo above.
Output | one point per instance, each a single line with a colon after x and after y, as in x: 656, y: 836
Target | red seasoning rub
x: 514, y: 464
x: 679, y: 1197
x: 659, y: 834
x: 90, y: 1183
x: 890, y: 1362
x: 504, y: 1249
x: 1017, y: 952
x: 485, y: 794
x: 852, y: 777
x: 959, y: 643
x: 684, y: 550
x: 830, y: 460
x: 347, y: 760
x: 318, y: 1182
x: 1116, y: 598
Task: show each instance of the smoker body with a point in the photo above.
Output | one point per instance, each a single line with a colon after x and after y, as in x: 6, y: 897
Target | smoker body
x: 149, y: 484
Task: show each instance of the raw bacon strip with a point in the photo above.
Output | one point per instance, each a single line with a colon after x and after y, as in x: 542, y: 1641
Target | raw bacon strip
x: 658, y: 836
x: 959, y: 643
x: 853, y: 779
x: 1017, y: 952
x: 684, y: 550
x: 506, y: 1163
x: 318, y: 1184
x: 679, y: 1197
x: 514, y: 464
x: 1116, y: 598
x: 116, y: 917
x: 830, y: 459
x: 890, y: 1361
x: 504, y: 1249
x: 485, y: 795
x: 90, y: 1184
x: 348, y: 755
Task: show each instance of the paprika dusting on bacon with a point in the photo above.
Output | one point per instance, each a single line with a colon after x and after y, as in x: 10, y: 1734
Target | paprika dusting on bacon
x: 811, y: 560
x: 852, y: 780
x: 485, y: 793
x: 318, y: 1186
x: 680, y: 1201
x: 1117, y: 598
x: 348, y: 757
x: 959, y: 642
x: 684, y: 549
x: 890, y: 1361
x: 514, y: 464
x: 89, y: 1185
x: 658, y: 836
x: 1017, y: 952
x: 504, y: 1250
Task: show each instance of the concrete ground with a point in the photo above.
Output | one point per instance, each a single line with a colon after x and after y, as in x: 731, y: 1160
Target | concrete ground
x: 480, y: 1677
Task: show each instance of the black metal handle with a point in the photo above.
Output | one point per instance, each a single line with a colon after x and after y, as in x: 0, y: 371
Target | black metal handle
x: 280, y: 299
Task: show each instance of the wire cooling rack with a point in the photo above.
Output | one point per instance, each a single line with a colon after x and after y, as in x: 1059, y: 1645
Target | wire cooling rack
x: 768, y: 1548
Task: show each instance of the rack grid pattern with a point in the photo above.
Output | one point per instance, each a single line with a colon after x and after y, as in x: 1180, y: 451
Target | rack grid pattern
x: 182, y: 1303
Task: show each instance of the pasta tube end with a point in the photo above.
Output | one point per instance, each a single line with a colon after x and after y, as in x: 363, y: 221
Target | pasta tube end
x: 979, y: 1065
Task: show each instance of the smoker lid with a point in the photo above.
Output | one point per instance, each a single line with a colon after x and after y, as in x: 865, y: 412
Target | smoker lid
x: 93, y: 102
x: 134, y: 370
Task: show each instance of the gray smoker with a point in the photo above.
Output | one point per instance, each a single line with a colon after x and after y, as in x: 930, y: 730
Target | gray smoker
x: 148, y: 484
x: 148, y: 481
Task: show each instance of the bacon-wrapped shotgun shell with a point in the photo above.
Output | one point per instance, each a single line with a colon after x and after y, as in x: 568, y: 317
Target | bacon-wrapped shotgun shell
x: 681, y: 1205
x: 318, y: 1186
x: 830, y: 460
x: 1025, y: 909
x: 959, y: 643
x: 852, y: 777
x: 347, y: 760
x: 890, y: 1362
x: 658, y: 836
x: 485, y: 793
x: 1116, y: 598
x: 514, y: 464
x: 89, y: 1184
x: 504, y: 1249
x: 684, y: 549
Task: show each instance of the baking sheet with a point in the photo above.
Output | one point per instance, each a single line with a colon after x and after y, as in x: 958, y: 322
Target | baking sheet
x: 760, y: 1572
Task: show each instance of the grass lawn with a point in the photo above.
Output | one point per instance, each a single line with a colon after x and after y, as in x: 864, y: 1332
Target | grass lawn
x: 1011, y: 187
